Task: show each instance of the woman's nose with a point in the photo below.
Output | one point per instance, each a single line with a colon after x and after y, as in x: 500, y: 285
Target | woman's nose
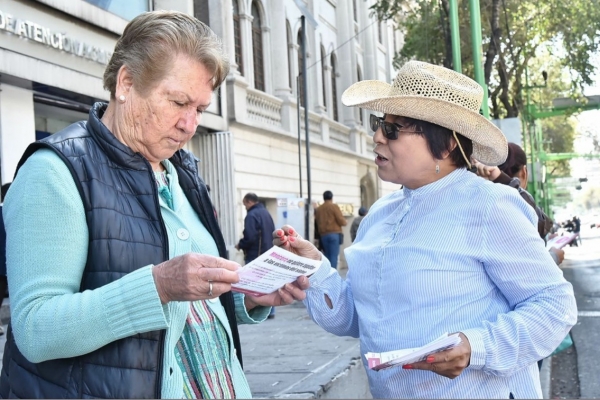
x: 189, y: 121
x: 378, y: 136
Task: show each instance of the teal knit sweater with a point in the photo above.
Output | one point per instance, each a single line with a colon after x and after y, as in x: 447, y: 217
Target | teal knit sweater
x: 46, y: 250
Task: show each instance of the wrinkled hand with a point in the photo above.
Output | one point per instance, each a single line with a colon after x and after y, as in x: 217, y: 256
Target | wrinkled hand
x: 287, y: 294
x: 189, y: 277
x: 288, y: 239
x: 485, y: 171
x: 448, y: 363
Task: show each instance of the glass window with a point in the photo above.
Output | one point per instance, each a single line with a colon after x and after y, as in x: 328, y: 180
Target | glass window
x: 288, y: 33
x: 237, y: 37
x: 334, y: 88
x: 300, y: 69
x: 360, y: 111
x: 257, y: 49
x: 323, y: 75
x: 125, y: 9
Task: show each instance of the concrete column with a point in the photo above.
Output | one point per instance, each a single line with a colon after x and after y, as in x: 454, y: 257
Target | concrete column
x: 278, y: 51
x: 327, y: 88
x: 346, y: 59
x: 368, y: 42
x: 247, y: 49
x: 17, y: 127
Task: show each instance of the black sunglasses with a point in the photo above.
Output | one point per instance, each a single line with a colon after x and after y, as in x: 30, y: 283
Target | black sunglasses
x: 390, y: 130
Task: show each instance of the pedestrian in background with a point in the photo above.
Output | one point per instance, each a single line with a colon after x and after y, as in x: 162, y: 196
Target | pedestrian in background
x: 3, y: 280
x: 258, y: 231
x: 449, y: 252
x: 118, y: 282
x: 356, y: 223
x: 329, y: 221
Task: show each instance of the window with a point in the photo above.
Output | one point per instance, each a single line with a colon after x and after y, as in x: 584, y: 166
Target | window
x: 125, y: 9
x: 257, y: 49
x: 360, y: 111
x: 237, y: 37
x: 324, y: 76
x: 288, y: 33
x: 355, y: 10
x: 380, y: 32
x: 300, y: 88
x: 334, y: 88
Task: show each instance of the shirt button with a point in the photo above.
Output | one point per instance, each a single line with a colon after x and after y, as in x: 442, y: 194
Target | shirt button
x: 183, y: 234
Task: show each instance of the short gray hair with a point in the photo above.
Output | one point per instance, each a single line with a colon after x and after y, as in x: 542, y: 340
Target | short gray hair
x: 150, y: 43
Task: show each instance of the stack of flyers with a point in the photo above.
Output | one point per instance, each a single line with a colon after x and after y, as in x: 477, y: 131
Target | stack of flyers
x: 396, y: 358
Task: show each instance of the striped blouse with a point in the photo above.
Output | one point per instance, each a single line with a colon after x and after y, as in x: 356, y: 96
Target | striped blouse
x: 458, y: 255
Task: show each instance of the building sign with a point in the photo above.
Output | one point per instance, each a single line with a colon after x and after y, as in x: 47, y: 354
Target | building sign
x: 60, y: 41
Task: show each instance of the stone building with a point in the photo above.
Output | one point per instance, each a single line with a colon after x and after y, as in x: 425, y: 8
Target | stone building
x: 53, y: 54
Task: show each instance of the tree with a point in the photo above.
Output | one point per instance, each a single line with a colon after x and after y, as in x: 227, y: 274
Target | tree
x: 513, y: 31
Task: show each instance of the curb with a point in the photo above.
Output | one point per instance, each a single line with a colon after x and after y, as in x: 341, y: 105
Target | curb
x: 546, y: 378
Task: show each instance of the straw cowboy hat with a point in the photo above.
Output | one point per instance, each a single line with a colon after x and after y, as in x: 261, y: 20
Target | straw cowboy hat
x: 438, y: 95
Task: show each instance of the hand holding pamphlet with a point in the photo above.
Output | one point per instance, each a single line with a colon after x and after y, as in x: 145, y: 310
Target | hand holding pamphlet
x: 397, y: 358
x: 561, y: 241
x: 271, y: 270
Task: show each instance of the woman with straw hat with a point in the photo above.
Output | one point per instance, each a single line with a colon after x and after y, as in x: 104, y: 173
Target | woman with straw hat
x: 450, y: 252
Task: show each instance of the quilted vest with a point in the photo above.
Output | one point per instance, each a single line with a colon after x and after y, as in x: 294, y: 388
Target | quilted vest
x: 126, y: 232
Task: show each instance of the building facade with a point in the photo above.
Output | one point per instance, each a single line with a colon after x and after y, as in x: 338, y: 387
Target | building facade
x: 53, y: 54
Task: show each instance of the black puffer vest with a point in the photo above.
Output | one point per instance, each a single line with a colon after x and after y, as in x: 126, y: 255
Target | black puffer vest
x: 126, y: 232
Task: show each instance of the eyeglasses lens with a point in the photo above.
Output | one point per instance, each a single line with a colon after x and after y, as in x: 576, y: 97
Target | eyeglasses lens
x: 390, y: 131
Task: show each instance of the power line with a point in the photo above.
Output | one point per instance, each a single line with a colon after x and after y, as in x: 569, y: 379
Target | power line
x: 340, y: 46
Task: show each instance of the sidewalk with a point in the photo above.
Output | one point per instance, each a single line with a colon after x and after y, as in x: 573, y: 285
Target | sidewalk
x: 291, y: 357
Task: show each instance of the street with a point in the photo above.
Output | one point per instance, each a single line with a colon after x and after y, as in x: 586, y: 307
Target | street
x: 308, y: 371
x: 575, y: 372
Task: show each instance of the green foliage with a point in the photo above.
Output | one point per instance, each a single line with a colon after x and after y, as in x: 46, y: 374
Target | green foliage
x: 514, y: 32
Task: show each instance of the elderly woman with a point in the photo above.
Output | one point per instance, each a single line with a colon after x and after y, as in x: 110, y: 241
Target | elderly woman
x: 450, y: 252
x: 117, y: 288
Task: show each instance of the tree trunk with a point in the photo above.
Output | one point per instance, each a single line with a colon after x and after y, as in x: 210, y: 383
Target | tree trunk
x: 445, y: 25
x: 494, y: 46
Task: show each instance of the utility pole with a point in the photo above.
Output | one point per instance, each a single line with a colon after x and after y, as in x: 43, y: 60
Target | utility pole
x: 307, y: 130
x: 455, y: 36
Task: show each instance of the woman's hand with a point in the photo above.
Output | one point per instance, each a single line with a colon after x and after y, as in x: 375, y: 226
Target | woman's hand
x: 287, y: 294
x: 485, y: 171
x: 288, y: 239
x: 193, y: 276
x: 448, y: 363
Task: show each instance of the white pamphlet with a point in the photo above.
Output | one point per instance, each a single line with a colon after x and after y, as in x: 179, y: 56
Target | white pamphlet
x: 396, y: 358
x: 271, y: 270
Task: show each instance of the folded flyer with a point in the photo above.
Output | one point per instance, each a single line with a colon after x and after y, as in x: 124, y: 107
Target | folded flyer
x: 397, y: 358
x: 271, y: 270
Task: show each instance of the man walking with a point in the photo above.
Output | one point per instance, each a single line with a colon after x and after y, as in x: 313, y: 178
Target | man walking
x: 258, y: 231
x: 330, y: 220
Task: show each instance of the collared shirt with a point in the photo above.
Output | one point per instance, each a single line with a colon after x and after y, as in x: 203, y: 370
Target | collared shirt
x: 458, y: 255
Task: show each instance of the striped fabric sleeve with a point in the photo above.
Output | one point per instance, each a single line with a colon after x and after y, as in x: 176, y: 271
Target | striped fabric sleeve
x: 341, y: 319
x: 541, y: 299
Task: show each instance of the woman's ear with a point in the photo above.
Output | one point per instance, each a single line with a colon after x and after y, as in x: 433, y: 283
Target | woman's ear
x: 124, y: 81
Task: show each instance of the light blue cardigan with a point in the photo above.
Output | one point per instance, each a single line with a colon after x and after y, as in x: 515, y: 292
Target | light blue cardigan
x: 47, y: 245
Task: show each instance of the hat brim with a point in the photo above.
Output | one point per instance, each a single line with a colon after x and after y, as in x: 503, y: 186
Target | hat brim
x: 489, y: 143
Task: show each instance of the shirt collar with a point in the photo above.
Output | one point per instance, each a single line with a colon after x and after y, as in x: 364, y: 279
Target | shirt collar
x: 458, y: 174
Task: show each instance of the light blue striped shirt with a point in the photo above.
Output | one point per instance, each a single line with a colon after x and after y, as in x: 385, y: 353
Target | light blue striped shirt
x: 458, y: 255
